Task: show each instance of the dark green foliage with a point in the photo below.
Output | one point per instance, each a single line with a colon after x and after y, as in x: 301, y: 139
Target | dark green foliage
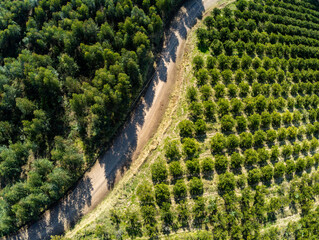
x: 172, y: 151
x: 159, y: 172
x: 227, y: 123
x: 254, y: 176
x: 162, y: 194
x: 195, y: 186
x: 236, y: 161
x: 226, y: 182
x: 176, y: 169
x: 145, y: 193
x: 218, y: 143
x: 186, y: 128
x: 279, y: 169
x: 193, y: 167
x: 207, y: 165
x: 190, y: 147
x: 180, y: 190
x: 221, y: 163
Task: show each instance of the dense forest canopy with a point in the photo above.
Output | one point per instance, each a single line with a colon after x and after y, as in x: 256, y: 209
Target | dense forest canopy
x: 69, y: 71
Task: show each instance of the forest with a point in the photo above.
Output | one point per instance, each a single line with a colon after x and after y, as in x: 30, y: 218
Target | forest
x: 244, y: 164
x: 70, y: 70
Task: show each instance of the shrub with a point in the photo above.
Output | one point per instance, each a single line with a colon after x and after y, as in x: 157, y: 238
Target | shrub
x: 226, y: 182
x: 186, y: 128
x: 236, y: 105
x: 286, y: 151
x: 167, y: 215
x: 287, y: 117
x: 199, y: 210
x: 221, y: 163
x: 232, y: 141
x: 310, y: 162
x: 145, y: 193
x: 149, y: 213
x: 198, y: 62
x: 172, y: 150
x: 215, y: 75
x: 246, y: 140
x: 254, y: 176
x: 276, y: 119
x: 162, y: 194
x: 254, y: 121
x: 191, y: 94
x: 227, y: 76
x: 259, y: 138
x: 223, y: 106
x: 202, y: 76
x: 196, y: 186
x: 200, y: 126
x: 271, y: 135
x: 219, y: 90
x: 190, y: 147
x: 263, y: 156
x: 280, y: 169
x: 193, y: 167
x: 291, y: 132
x: 241, y: 181
x: 209, y: 110
x: 218, y: 143
x: 176, y: 169
x: 261, y: 103
x: 195, y: 110
x: 251, y: 157
x: 236, y: 160
x: 227, y: 123
x: 239, y: 76
x: 232, y: 90
x: 159, y: 172
x: 274, y: 155
x: 179, y: 189
x: 300, y: 165
x: 206, y: 92
x: 267, y: 173
x: 244, y: 89
x: 290, y: 167
x: 241, y: 123
x: 207, y: 165
x: 265, y: 119
x: 282, y: 134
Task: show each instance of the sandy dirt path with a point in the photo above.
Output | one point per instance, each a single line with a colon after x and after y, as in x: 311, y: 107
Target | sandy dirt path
x: 100, y: 179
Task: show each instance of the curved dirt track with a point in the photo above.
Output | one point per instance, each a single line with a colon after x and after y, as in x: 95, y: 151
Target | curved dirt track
x: 100, y: 179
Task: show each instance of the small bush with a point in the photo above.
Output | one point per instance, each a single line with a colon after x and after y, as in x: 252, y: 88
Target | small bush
x: 193, y: 167
x: 196, y: 186
x: 159, y: 172
x: 176, y: 169
x: 162, y: 194
x: 179, y: 189
x: 207, y: 165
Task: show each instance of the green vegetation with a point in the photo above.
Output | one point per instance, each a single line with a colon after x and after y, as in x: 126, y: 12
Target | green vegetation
x: 70, y: 70
x: 252, y: 171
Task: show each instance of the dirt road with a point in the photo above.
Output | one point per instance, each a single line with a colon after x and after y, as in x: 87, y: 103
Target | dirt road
x: 100, y: 179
